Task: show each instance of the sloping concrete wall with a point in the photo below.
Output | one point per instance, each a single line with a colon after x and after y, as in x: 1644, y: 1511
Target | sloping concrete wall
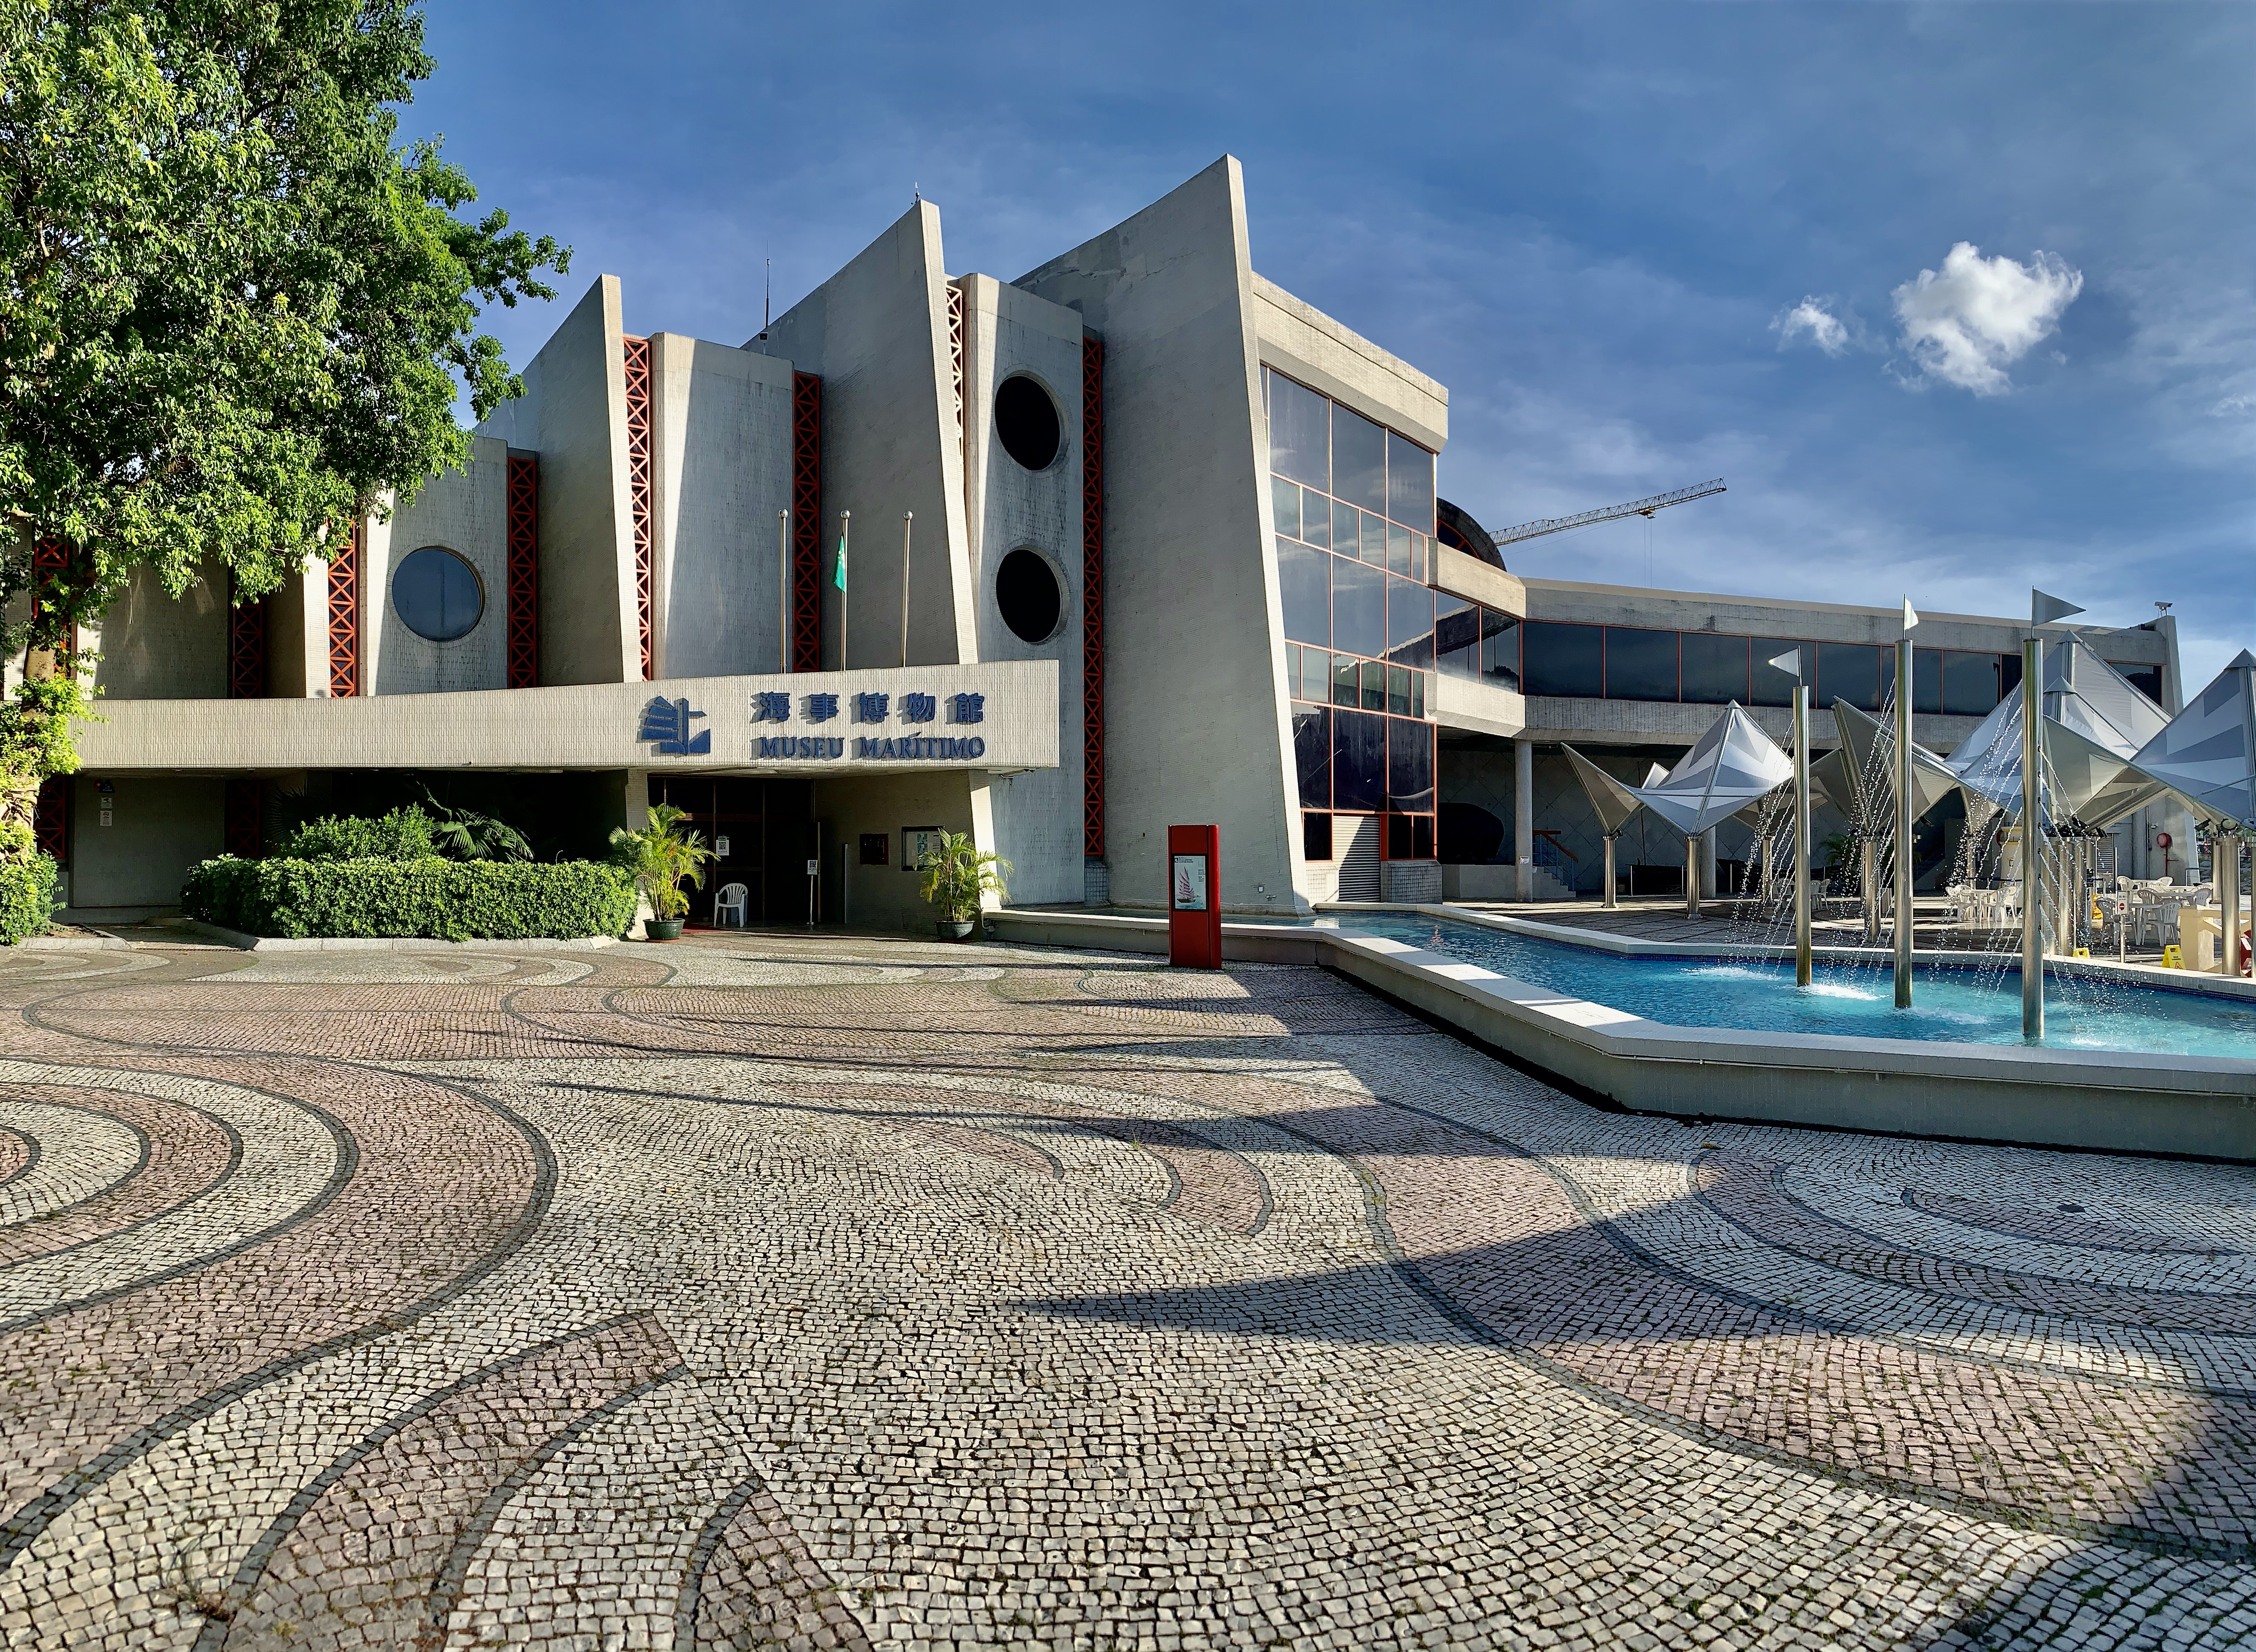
x: 465, y: 512
x: 574, y: 413
x: 721, y: 434
x: 1010, y: 332
x: 877, y: 333
x: 1191, y: 587
x: 153, y: 647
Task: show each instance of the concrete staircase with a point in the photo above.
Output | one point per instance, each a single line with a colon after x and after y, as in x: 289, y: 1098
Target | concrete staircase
x: 1545, y: 885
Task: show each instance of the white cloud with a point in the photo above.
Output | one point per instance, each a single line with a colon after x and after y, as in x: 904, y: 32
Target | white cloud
x: 1812, y: 317
x: 1968, y: 322
x: 2232, y: 407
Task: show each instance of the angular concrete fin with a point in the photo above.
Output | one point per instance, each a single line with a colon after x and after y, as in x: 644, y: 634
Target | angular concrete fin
x: 574, y: 414
x: 1188, y: 571
x: 876, y: 332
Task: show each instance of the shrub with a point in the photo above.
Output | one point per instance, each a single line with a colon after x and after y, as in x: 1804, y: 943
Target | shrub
x: 405, y: 834
x: 27, y: 897
x: 445, y: 900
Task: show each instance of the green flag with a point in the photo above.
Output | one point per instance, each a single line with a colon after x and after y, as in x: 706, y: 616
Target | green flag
x: 840, y: 577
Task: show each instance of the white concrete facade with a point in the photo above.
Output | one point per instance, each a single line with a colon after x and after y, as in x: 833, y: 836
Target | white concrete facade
x: 1204, y: 686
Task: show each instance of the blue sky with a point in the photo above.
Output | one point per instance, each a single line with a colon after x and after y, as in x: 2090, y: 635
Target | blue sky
x: 1643, y: 245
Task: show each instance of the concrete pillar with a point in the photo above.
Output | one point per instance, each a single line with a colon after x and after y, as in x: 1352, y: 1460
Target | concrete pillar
x: 1708, y: 863
x: 1523, y: 817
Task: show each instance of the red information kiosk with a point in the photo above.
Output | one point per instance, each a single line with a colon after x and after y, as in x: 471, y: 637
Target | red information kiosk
x: 1194, y: 897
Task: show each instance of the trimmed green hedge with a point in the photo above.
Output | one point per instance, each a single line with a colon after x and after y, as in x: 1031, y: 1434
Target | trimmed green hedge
x: 447, y: 900
x: 405, y: 834
x: 27, y: 897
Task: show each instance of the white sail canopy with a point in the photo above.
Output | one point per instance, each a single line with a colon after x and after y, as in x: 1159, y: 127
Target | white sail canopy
x: 1612, y: 801
x: 2207, y: 754
x: 1735, y: 764
x: 1870, y: 747
x: 2094, y: 725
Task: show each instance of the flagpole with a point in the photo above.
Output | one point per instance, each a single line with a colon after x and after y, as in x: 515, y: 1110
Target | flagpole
x: 783, y: 584
x: 845, y: 602
x: 908, y: 522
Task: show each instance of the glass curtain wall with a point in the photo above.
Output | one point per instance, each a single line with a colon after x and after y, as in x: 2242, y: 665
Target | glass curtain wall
x: 1701, y: 667
x: 1354, y: 502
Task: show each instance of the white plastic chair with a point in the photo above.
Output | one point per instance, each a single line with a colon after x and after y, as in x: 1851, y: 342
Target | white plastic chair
x: 2008, y: 907
x: 1960, y: 912
x: 731, y: 898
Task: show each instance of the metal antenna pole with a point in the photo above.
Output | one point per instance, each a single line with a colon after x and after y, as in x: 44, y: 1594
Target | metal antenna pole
x: 783, y: 582
x: 1903, y: 824
x: 2032, y: 829
x: 1801, y: 834
x: 908, y: 522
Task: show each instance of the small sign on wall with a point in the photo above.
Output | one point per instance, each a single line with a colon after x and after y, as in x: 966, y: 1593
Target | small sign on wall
x: 917, y: 842
x: 721, y: 848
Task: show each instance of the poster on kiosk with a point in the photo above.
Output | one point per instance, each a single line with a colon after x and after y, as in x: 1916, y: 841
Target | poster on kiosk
x: 1194, y: 897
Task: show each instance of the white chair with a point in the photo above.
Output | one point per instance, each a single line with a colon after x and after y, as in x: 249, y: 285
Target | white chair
x: 2008, y: 908
x: 1961, y: 911
x: 731, y: 898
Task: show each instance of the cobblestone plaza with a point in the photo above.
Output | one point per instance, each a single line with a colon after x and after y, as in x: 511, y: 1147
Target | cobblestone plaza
x: 820, y: 1292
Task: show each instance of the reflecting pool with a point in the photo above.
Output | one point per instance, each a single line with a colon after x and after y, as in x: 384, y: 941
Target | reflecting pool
x: 1978, y: 1002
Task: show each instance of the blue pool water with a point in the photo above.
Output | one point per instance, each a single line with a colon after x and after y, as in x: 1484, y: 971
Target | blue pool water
x: 1978, y: 1003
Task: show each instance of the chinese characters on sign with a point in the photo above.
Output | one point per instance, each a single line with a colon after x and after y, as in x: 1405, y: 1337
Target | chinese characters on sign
x: 772, y: 706
x: 666, y: 722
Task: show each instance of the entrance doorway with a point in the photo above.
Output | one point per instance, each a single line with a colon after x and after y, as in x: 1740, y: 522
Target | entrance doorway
x: 760, y: 831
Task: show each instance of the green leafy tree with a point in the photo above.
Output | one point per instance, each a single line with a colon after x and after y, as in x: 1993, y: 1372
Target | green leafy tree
x: 234, y: 309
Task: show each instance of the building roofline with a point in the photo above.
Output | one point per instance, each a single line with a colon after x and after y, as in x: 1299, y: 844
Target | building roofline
x: 1802, y: 604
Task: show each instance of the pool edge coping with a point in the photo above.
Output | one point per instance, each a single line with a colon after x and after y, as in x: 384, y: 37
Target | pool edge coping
x: 2060, y: 1098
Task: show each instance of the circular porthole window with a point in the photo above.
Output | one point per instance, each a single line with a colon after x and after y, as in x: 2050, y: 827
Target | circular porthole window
x: 1026, y: 422
x: 436, y: 594
x: 1026, y: 592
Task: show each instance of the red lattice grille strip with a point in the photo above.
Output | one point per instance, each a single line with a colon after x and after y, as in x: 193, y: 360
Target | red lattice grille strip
x: 639, y: 486
x: 246, y: 647
x: 806, y: 522
x: 344, y: 616
x: 524, y: 573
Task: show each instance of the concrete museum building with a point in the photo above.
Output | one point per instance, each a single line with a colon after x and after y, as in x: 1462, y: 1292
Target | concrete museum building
x: 1138, y: 538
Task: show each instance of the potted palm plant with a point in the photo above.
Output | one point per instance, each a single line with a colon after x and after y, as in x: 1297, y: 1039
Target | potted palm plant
x: 662, y: 859
x: 955, y: 875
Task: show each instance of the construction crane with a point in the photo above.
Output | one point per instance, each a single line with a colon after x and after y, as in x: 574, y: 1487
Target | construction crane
x: 1635, y: 507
